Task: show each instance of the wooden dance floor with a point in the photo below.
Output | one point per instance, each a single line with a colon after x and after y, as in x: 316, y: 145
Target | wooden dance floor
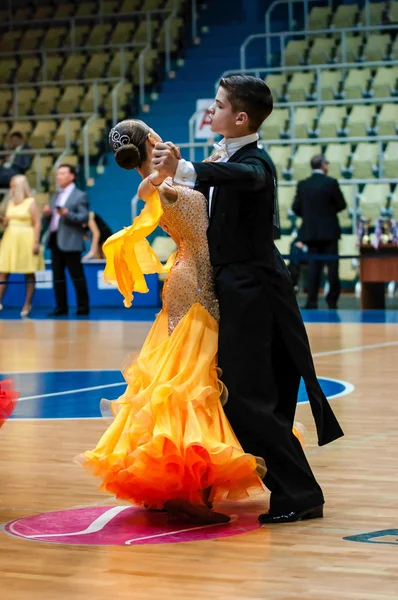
x: 61, y: 539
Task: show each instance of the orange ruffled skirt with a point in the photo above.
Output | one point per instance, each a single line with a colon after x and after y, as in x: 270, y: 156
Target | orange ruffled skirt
x: 170, y: 438
x: 8, y: 399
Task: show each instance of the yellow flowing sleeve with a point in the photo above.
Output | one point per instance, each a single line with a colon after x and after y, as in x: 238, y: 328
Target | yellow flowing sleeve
x: 129, y: 255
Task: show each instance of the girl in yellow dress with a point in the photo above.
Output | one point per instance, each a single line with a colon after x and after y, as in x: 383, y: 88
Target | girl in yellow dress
x: 170, y: 444
x: 19, y: 248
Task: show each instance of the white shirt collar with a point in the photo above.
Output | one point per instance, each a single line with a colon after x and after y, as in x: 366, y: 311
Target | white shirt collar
x: 68, y: 189
x: 232, y: 145
x: 318, y: 171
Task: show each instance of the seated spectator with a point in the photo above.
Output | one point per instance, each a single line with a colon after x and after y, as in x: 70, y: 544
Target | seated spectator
x: 100, y: 232
x: 16, y: 163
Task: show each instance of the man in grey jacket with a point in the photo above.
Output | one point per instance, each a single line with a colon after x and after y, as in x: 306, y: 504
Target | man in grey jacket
x: 67, y: 213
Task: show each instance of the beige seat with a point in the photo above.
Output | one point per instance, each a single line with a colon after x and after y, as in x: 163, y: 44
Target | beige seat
x: 330, y: 121
x: 43, y: 12
x: 394, y: 204
x: 376, y: 10
x: 321, y: 51
x: 360, y: 119
x: 110, y: 6
x: 376, y: 47
x: 47, y: 99
x: 71, y: 99
x: 304, y: 120
x: 86, y: 9
x: 115, y: 66
x: 329, y: 84
x: 345, y: 219
x: 122, y: 34
x: 53, y: 66
x: 10, y: 40
x: 4, y: 129
x: 337, y: 156
x: 280, y: 156
x: 319, y: 17
x: 80, y: 34
x: 88, y: 104
x: 140, y: 35
x: 387, y: 119
x: 344, y: 16
x: 152, y: 4
x: 302, y: 159
x: 73, y: 67
x: 25, y: 127
x: 97, y: 65
x: 25, y: 99
x: 31, y: 39
x: 129, y: 6
x: 28, y: 69
x: 353, y: 47
x: 42, y: 198
x: 69, y: 128
x: 55, y: 37
x: 385, y: 81
x: 150, y: 60
x: 276, y: 123
x: 348, y: 246
x: 295, y: 51
x: 277, y: 84
x: 299, y: 86
x: 175, y: 30
x: 63, y: 10
x: 6, y: 98
x: 350, y: 192
x: 40, y: 170
x: 96, y: 132
x: 42, y: 134
x: 356, y: 82
x: 286, y: 194
x: 123, y: 96
x: 374, y: 196
x: 365, y: 160
x: 99, y: 35
x: 394, y: 50
x: 7, y: 68
x: 390, y: 160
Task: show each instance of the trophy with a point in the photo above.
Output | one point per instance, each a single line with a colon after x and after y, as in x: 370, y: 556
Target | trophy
x: 364, y: 227
x: 386, y: 228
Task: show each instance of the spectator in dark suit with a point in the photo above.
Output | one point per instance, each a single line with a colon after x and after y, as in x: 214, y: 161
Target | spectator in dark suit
x: 318, y: 200
x: 16, y: 163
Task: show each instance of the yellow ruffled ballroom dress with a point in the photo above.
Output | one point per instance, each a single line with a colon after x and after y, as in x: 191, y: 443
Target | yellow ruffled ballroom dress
x: 170, y: 438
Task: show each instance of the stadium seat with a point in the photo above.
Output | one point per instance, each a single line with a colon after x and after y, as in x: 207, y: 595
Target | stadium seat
x: 295, y: 51
x: 73, y: 67
x: 110, y: 6
x: 99, y: 35
x: 375, y: 193
x: 114, y: 67
x: 278, y: 85
x: 63, y: 10
x: 300, y: 86
x: 360, y: 120
x: 31, y: 39
x: 321, y: 52
x: 376, y: 10
x: 385, y: 82
x: 10, y: 40
x: 85, y: 9
x: 387, y: 119
x: 304, y: 121
x: 47, y: 99
x: 42, y: 12
x: 286, y: 194
x: 353, y: 48
x: 301, y: 160
x: 42, y: 134
x: 330, y: 82
x: 71, y: 99
x: 356, y: 83
x: 80, y: 34
x: 122, y: 34
x: 60, y: 138
x: 344, y: 16
x: 319, y: 17
x: 8, y: 67
x: 129, y: 6
x: 331, y: 120
x: 365, y: 160
x: 55, y: 37
x: 53, y: 66
x: 25, y: 99
x: 4, y: 129
x: 280, y: 156
x: 25, y: 127
x: 337, y: 156
x: 96, y: 131
x: 123, y: 95
x: 276, y: 124
x: 96, y: 66
x: 28, y: 69
x: 376, y: 47
x: 6, y: 98
x: 87, y: 104
x: 348, y: 246
x: 390, y: 160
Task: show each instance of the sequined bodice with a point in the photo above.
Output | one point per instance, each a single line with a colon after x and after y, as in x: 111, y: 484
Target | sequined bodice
x: 191, y: 277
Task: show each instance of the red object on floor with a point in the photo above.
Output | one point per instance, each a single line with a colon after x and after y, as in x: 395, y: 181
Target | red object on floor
x: 8, y: 399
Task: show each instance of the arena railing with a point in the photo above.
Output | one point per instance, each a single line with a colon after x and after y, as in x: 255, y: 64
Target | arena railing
x: 306, y: 5
x: 284, y: 35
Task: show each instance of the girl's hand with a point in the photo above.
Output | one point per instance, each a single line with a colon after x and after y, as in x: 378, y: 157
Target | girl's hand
x: 36, y: 249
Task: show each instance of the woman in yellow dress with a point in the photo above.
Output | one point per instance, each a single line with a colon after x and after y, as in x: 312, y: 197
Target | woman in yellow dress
x: 19, y: 248
x: 170, y: 445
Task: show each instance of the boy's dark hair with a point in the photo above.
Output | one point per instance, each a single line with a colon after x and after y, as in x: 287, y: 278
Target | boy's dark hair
x: 72, y: 168
x: 250, y: 95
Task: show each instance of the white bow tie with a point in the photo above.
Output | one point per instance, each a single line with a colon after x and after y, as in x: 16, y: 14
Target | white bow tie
x: 221, y: 149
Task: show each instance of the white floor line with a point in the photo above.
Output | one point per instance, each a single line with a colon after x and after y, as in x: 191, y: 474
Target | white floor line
x: 76, y: 391
x: 355, y: 349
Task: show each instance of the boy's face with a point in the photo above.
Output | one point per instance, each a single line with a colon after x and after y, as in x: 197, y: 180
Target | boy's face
x: 223, y: 120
